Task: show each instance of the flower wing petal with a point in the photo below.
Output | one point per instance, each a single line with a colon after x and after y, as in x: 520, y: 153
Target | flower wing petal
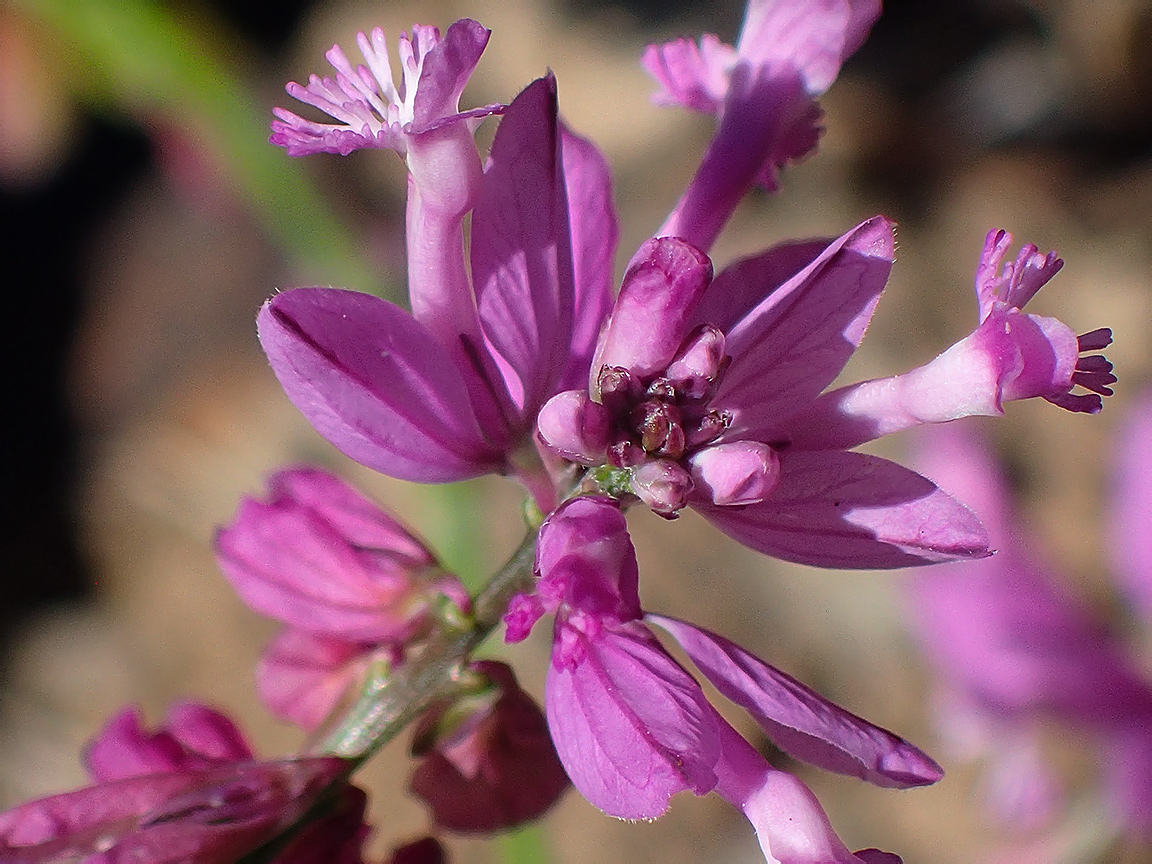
x: 799, y: 720
x: 521, y: 247
x: 855, y: 511
x: 595, y: 232
x: 631, y: 727
x: 795, y: 342
x: 374, y: 383
x: 445, y: 72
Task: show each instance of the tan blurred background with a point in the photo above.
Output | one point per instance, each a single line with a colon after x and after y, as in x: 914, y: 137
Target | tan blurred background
x: 956, y: 118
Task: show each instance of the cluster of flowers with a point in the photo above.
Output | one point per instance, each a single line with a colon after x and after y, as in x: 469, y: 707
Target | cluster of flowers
x: 1021, y: 657
x: 681, y: 390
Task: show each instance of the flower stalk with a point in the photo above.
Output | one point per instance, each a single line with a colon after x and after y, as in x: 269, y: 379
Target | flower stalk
x: 389, y: 703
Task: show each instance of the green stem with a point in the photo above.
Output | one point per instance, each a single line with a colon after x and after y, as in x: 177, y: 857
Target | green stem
x: 386, y: 706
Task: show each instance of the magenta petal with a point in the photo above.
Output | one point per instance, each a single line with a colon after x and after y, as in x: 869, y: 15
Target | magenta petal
x: 521, y: 252
x: 790, y: 824
x: 851, y: 510
x: 1132, y: 507
x: 206, y: 732
x: 122, y: 748
x: 805, y: 331
x: 374, y: 383
x: 210, y: 816
x: 595, y: 233
x: 1004, y: 631
x: 446, y: 69
x: 323, y: 558
x: 301, y: 677
x: 362, y: 522
x: 665, y: 280
x: 743, y: 285
x: 690, y: 75
x: 631, y: 727
x: 799, y: 720
x: 767, y: 120
x: 193, y: 737
x: 585, y: 553
x: 814, y: 38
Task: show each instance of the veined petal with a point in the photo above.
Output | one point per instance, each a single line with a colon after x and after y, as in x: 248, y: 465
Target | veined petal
x: 595, y: 233
x: 631, y: 727
x: 358, y: 519
x: 795, y: 342
x: 521, y: 249
x: 853, y: 511
x: 690, y: 75
x: 374, y: 383
x: 209, y: 817
x: 743, y: 285
x: 799, y: 720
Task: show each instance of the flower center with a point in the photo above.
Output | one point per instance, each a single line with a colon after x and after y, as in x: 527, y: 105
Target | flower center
x: 666, y: 416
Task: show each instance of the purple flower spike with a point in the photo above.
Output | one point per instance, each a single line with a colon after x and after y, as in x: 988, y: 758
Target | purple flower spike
x: 370, y: 110
x: 1016, y: 651
x: 1010, y: 355
x: 763, y: 92
x: 702, y: 383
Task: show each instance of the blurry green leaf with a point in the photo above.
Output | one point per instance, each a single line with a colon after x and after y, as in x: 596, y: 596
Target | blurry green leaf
x: 137, y: 55
x: 523, y: 846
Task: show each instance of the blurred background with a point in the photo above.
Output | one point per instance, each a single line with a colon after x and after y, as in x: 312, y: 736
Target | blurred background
x: 144, y: 218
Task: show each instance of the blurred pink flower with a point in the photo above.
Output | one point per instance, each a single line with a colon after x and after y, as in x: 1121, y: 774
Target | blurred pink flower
x: 1014, y: 648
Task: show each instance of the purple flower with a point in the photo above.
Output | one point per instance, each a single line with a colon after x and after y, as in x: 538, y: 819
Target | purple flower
x: 452, y: 391
x: 351, y: 582
x: 190, y: 792
x: 763, y: 92
x: 699, y: 388
x: 486, y: 761
x: 632, y: 727
x: 370, y: 110
x: 1010, y: 355
x: 1015, y: 649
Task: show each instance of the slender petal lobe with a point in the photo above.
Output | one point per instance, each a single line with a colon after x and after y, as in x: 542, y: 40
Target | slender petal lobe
x: 800, y: 721
x: 375, y: 384
x: 851, y: 510
x: 521, y: 247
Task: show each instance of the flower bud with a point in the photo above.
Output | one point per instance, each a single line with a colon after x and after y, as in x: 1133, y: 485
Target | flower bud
x: 497, y: 768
